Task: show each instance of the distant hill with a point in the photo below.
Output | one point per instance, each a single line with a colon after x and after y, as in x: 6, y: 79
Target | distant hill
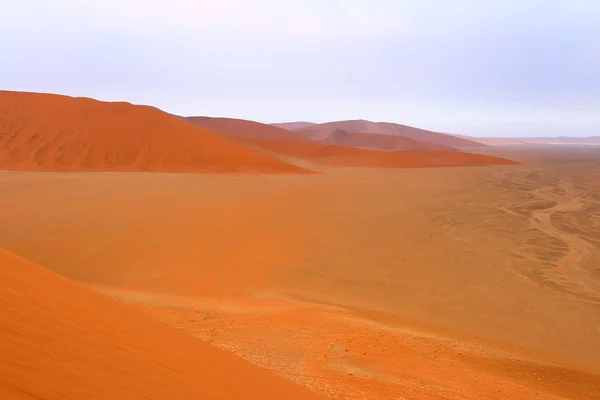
x: 321, y: 131
x: 293, y: 125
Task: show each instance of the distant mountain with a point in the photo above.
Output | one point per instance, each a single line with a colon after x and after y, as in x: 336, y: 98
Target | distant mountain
x: 293, y: 125
x: 321, y: 131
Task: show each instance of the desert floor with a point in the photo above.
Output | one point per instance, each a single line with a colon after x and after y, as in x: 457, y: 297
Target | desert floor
x: 449, y: 283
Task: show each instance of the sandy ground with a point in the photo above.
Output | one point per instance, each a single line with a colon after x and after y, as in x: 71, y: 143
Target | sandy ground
x: 455, y: 283
x: 61, y: 340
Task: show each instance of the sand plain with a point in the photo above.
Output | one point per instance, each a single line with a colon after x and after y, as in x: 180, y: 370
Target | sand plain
x: 434, y: 283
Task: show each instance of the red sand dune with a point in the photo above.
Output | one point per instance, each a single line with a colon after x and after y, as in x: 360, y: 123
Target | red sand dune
x: 348, y: 156
x: 47, y: 132
x: 294, y: 125
x: 61, y: 340
x: 375, y: 141
x: 387, y: 128
x: 239, y: 128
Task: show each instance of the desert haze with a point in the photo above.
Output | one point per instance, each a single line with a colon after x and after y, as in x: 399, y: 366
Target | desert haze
x: 148, y: 255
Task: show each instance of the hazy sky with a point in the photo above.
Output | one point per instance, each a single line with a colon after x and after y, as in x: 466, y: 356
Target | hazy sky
x: 479, y: 67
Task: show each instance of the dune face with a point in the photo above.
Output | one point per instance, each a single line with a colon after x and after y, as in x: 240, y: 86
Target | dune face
x: 348, y: 156
x: 60, y: 340
x: 243, y: 129
x: 386, y: 128
x: 294, y: 125
x: 57, y: 133
x: 373, y: 141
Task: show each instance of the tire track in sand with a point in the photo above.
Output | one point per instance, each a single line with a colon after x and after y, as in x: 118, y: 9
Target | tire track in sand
x: 569, y: 272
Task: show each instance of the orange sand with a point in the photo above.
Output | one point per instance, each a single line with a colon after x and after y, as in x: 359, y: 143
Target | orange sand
x: 45, y: 132
x: 239, y: 128
x: 421, y: 275
x: 60, y: 340
x: 348, y: 156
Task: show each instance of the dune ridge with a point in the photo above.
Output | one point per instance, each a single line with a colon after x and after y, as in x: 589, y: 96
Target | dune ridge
x: 61, y: 340
x: 387, y: 128
x: 239, y: 128
x: 376, y: 141
x: 46, y: 132
x: 348, y: 156
x: 293, y: 125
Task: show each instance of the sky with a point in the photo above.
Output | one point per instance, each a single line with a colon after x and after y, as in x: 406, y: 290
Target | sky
x: 475, y: 67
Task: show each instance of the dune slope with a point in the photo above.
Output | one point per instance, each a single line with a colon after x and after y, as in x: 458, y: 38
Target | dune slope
x: 239, y: 128
x: 348, y: 156
x: 46, y: 132
x: 60, y: 340
x: 376, y: 141
x: 387, y: 128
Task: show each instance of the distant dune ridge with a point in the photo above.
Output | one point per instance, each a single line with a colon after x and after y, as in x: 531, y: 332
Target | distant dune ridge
x: 386, y: 128
x: 293, y: 125
x: 342, y: 148
x: 373, y: 141
x: 61, y: 340
x: 353, y: 157
x: 239, y: 128
x: 46, y: 132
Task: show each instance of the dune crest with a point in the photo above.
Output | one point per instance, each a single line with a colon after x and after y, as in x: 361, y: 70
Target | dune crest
x: 388, y: 128
x: 293, y: 125
x: 373, y: 141
x: 61, y: 340
x: 239, y: 128
x: 44, y: 132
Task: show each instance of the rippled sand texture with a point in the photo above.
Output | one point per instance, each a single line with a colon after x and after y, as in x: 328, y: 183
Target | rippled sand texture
x: 457, y: 283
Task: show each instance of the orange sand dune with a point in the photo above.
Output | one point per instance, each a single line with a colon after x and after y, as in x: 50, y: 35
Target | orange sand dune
x: 239, y: 128
x: 387, y: 128
x: 46, y: 132
x: 373, y: 141
x: 293, y: 125
x: 60, y: 340
x: 348, y: 156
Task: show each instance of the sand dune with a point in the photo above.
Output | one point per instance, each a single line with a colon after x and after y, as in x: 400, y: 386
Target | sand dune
x: 348, y: 156
x: 375, y: 141
x: 293, y: 125
x: 58, y: 133
x: 60, y: 340
x: 387, y: 128
x: 239, y: 128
